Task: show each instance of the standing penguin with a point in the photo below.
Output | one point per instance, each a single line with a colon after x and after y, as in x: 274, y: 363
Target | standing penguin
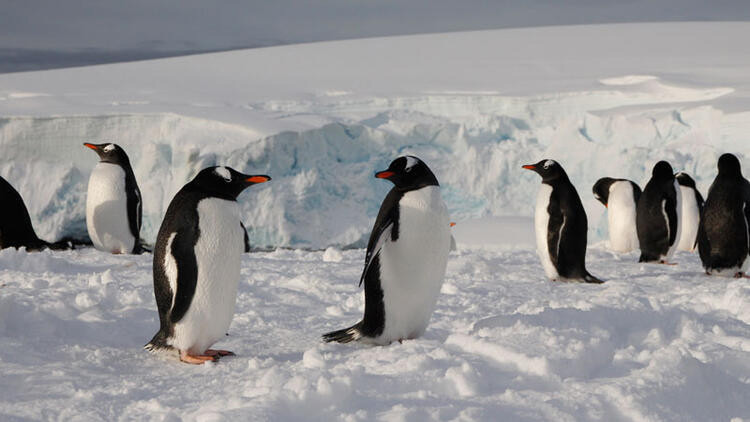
x: 724, y: 231
x: 197, y: 264
x: 692, y: 208
x: 406, y: 258
x: 620, y: 196
x: 561, y: 225
x: 15, y: 223
x: 113, y: 202
x: 658, y: 215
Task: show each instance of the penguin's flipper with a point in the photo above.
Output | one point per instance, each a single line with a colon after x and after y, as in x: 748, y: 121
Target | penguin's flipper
x: 246, y: 238
x: 372, y: 253
x: 555, y: 229
x: 343, y: 336
x: 669, y: 206
x: 187, y: 271
x: 135, y: 211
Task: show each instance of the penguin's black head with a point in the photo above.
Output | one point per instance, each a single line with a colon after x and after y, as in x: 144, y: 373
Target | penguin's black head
x: 550, y: 170
x: 684, y: 179
x: 601, y: 189
x: 662, y: 171
x: 110, y: 153
x: 408, y: 173
x: 729, y: 165
x: 225, y: 182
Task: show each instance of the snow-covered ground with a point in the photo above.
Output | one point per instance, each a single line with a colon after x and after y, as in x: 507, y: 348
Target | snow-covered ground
x: 654, y: 343
x: 604, y: 100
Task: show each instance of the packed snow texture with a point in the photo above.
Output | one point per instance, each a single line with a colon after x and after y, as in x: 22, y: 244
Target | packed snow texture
x: 654, y: 343
x: 322, y: 118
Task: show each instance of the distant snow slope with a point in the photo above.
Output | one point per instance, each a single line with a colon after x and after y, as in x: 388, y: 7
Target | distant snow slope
x: 654, y: 343
x: 603, y: 100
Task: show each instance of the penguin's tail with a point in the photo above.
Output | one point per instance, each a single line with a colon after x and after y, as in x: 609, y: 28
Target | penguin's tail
x: 158, y: 344
x: 588, y: 278
x: 344, y: 336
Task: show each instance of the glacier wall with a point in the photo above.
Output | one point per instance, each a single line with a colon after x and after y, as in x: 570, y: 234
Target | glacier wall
x: 323, y: 191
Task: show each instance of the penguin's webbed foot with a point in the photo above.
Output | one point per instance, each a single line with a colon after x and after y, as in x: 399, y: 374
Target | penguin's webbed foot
x: 197, y: 359
x: 218, y: 353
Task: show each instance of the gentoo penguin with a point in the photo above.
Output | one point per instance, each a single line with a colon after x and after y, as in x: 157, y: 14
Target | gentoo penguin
x: 15, y: 223
x: 620, y: 196
x: 561, y: 225
x: 658, y: 215
x: 406, y: 258
x: 197, y: 264
x: 692, y: 207
x: 113, y: 202
x: 723, y: 234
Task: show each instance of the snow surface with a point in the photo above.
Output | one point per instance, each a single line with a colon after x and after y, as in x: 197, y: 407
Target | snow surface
x: 322, y: 118
x: 654, y: 343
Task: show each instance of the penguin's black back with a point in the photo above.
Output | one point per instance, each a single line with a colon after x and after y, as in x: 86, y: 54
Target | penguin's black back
x: 655, y: 234
x: 565, y: 207
x: 15, y: 223
x: 181, y: 218
x: 723, y: 233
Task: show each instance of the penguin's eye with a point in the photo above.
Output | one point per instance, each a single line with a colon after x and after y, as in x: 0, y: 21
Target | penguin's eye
x: 548, y: 164
x: 108, y: 148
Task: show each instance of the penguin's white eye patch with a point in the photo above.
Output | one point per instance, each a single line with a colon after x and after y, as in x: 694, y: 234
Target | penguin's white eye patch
x: 548, y: 164
x: 410, y: 162
x: 109, y: 148
x: 223, y: 173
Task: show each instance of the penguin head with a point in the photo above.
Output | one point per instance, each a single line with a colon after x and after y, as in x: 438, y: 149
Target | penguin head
x: 601, y: 189
x: 110, y: 153
x: 225, y: 182
x: 684, y: 179
x: 662, y: 171
x: 408, y: 173
x: 729, y: 165
x: 550, y: 170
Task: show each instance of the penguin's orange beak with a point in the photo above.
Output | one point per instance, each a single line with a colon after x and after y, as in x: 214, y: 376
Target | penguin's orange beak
x: 529, y: 167
x: 384, y: 174
x: 257, y: 179
x: 92, y: 146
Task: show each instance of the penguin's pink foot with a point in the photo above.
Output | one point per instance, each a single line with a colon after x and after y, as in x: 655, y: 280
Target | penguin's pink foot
x: 218, y: 353
x: 197, y: 359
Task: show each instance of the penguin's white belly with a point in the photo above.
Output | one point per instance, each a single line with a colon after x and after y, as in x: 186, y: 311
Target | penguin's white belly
x: 218, y: 254
x: 623, y: 236
x: 107, y: 210
x: 689, y: 221
x: 673, y: 247
x: 541, y: 224
x: 412, y: 268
